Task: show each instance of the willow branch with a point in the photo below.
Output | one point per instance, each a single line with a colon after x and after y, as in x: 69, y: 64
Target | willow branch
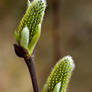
x: 31, y: 67
x: 29, y: 60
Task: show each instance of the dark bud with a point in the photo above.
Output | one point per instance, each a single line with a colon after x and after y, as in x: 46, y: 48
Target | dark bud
x: 20, y: 51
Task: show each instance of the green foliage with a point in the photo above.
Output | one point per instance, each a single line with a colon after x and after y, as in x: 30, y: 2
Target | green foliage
x: 29, y: 29
x: 60, y: 75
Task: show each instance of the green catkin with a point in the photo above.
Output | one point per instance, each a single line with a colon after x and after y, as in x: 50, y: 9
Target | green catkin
x: 33, y: 20
x: 33, y: 16
x: 60, y: 75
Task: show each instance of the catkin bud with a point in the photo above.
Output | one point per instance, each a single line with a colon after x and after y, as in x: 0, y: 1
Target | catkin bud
x: 32, y: 20
x: 60, y: 75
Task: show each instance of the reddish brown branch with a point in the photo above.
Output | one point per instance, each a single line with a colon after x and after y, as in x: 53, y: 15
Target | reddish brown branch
x: 29, y: 60
x: 30, y: 64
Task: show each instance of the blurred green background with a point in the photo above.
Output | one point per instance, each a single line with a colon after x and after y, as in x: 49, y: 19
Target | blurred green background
x: 66, y: 30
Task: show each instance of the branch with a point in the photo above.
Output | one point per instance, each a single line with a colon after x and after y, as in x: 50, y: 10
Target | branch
x: 29, y: 60
x: 31, y: 67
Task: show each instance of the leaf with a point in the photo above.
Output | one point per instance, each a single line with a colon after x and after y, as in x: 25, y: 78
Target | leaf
x: 34, y: 39
x: 57, y: 87
x: 24, y: 37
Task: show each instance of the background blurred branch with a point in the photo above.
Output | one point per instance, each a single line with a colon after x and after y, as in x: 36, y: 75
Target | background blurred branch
x: 55, y: 32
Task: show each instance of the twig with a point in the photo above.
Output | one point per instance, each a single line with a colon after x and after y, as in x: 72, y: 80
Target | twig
x: 29, y: 60
x: 30, y: 64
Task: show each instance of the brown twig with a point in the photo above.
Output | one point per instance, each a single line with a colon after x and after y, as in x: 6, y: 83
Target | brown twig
x: 30, y: 64
x: 29, y: 60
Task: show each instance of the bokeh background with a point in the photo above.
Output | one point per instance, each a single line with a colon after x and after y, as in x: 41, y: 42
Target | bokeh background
x: 66, y: 30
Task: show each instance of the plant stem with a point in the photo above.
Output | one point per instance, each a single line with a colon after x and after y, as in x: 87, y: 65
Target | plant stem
x: 31, y: 67
x: 29, y: 60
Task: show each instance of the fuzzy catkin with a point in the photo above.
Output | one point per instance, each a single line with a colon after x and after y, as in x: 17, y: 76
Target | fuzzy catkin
x: 29, y: 30
x: 60, y: 74
x: 33, y: 17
